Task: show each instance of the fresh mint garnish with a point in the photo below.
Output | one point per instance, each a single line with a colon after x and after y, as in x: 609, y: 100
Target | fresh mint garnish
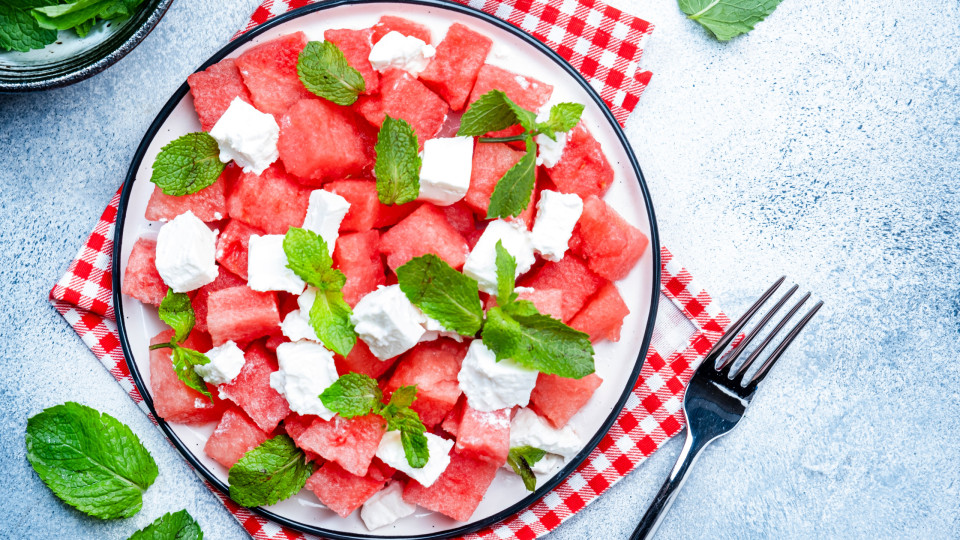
x: 176, y: 526
x: 352, y: 395
x: 511, y: 196
x: 727, y: 20
x: 563, y: 117
x: 323, y: 70
x: 442, y: 293
x: 506, y: 274
x: 490, y: 112
x: 521, y: 458
x: 184, y: 362
x: 90, y: 460
x: 19, y: 31
x: 187, y: 164
x: 177, y: 311
x: 273, y: 471
x: 82, y: 14
x: 397, y: 167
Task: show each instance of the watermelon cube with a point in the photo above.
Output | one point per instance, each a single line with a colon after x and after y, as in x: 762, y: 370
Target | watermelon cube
x: 403, y: 96
x: 321, y: 141
x: 572, y: 276
x: 547, y: 301
x: 214, y: 89
x: 356, y: 45
x: 241, y: 314
x: 583, y: 168
x: 458, y: 491
x: 270, y: 72
x: 295, y: 425
x: 603, y: 315
x: 526, y: 92
x: 460, y: 217
x: 172, y: 400
x: 389, y: 215
x: 361, y: 360
x: 351, y: 442
x: 610, y: 245
x: 235, y: 436
x: 364, y: 204
x: 233, y: 246
x: 357, y: 255
x: 208, y: 204
x: 558, y: 398
x: 341, y: 491
x: 433, y: 367
x: 392, y: 23
x: 451, y: 424
x: 251, y: 389
x: 426, y: 230
x: 454, y: 68
x: 490, y: 162
x: 272, y: 202
x: 225, y: 280
x: 140, y: 278
x: 484, y: 435
x: 380, y: 471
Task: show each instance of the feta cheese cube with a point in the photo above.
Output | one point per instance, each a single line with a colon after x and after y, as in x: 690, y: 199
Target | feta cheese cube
x: 225, y: 364
x: 548, y: 464
x: 433, y: 330
x: 325, y: 212
x: 490, y: 385
x: 528, y: 429
x: 446, y: 169
x: 396, y: 50
x: 186, y: 253
x: 306, y: 370
x: 391, y: 452
x: 549, y: 151
x: 296, y: 326
x: 385, y: 507
x: 387, y: 322
x: 481, y: 264
x: 247, y: 136
x: 557, y: 215
x: 267, y: 266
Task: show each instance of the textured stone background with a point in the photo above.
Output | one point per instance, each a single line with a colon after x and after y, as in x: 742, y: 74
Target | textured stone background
x: 825, y: 144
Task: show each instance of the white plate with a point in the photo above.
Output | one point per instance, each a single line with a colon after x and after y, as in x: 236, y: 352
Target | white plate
x: 617, y: 363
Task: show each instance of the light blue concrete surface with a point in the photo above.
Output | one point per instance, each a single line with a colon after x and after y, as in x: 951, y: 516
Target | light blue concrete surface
x: 826, y: 145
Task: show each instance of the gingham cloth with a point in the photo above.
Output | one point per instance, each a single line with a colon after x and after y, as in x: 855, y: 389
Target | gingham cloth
x: 605, y: 45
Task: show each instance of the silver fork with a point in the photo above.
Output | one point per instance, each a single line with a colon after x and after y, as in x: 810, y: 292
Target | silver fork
x: 718, y: 394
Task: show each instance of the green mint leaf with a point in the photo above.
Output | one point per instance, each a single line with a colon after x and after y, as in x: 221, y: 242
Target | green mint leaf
x: 397, y: 167
x: 90, y: 460
x: 411, y: 428
x: 324, y: 70
x: 187, y: 164
x: 403, y: 419
x: 501, y: 333
x: 506, y: 275
x: 512, y: 194
x: 520, y: 459
x: 352, y: 395
x: 177, y: 311
x: 518, y: 331
x: 330, y: 319
x: 490, y: 112
x: 269, y: 473
x: 309, y: 258
x: 176, y: 526
x: 19, y: 31
x: 82, y: 14
x: 415, y: 448
x: 442, y: 293
x: 404, y: 396
x: 526, y: 119
x: 563, y: 117
x: 184, y: 360
x: 730, y: 18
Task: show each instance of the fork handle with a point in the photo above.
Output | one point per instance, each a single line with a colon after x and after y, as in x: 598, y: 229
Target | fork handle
x: 668, y: 492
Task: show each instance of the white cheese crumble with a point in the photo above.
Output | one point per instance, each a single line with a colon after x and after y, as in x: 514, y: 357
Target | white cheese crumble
x: 225, y: 364
x: 446, y: 169
x: 267, y: 266
x: 296, y: 326
x: 186, y: 253
x: 247, y: 136
x: 481, y: 263
x: 550, y: 151
x: 433, y: 330
x: 528, y: 429
x: 396, y: 50
x: 385, y: 507
x: 387, y: 322
x: 490, y: 385
x: 557, y: 215
x: 325, y: 212
x: 306, y: 370
x: 391, y: 452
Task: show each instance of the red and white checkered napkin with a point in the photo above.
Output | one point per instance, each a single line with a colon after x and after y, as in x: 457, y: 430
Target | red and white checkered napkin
x: 604, y: 44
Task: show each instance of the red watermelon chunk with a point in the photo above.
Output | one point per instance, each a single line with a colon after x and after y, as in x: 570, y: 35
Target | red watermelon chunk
x: 357, y: 255
x: 341, y: 491
x: 403, y: 96
x: 140, y: 278
x: 426, y: 230
x: 251, y: 389
x: 233, y: 246
x: 558, y: 398
x: 356, y: 45
x: 241, y: 314
x: 610, y: 245
x: 351, y: 443
x: 273, y: 201
x: 208, y: 204
x: 583, y: 168
x: 380, y: 470
x: 320, y: 141
x: 270, y: 72
x: 454, y: 68
x: 484, y: 435
x: 458, y: 491
x: 364, y: 204
x: 173, y: 400
x: 460, y: 217
x: 432, y: 366
x: 392, y: 23
x: 526, y: 92
x: 235, y: 436
x: 603, y: 315
x: 225, y: 280
x: 451, y: 424
x: 490, y: 162
x: 361, y: 360
x: 389, y: 215
x: 572, y: 276
x: 295, y: 425
x: 214, y: 89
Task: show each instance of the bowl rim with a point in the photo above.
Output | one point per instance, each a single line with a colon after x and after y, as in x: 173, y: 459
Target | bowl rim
x: 570, y: 467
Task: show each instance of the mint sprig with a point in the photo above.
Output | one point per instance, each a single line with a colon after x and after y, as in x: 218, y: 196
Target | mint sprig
x: 490, y: 112
x: 90, y: 460
x: 511, y: 196
x: 506, y: 274
x: 176, y: 526
x: 442, y: 293
x: 273, y: 471
x: 177, y: 311
x: 352, y: 395
x: 730, y: 18
x: 187, y: 164
x: 19, y: 31
x: 82, y: 14
x: 397, y: 167
x: 563, y: 117
x: 521, y: 458
x: 324, y: 71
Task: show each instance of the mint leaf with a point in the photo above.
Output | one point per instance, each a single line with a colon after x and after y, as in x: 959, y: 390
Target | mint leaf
x: 411, y: 428
x: 442, y: 293
x: 526, y: 119
x: 404, y: 396
x: 309, y: 258
x: 563, y: 117
x: 269, y: 473
x: 177, y: 311
x: 397, y: 167
x: 415, y: 448
x: 501, y: 333
x: 330, y: 319
x: 184, y: 360
x: 324, y: 70
x: 19, y: 31
x: 89, y: 460
x: 187, y: 164
x: 353, y: 394
x: 490, y: 112
x: 81, y: 15
x: 520, y: 459
x: 506, y: 275
x: 176, y: 526
x: 512, y: 194
x: 730, y: 18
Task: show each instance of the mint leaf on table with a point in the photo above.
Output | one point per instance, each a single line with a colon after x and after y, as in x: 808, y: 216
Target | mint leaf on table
x: 352, y: 395
x: 512, y: 194
x: 273, y: 471
x: 177, y: 311
x: 187, y: 164
x: 441, y: 292
x: 563, y: 117
x: 324, y: 71
x: 730, y: 18
x: 506, y: 275
x: 521, y: 458
x: 90, y: 460
x: 490, y: 112
x: 397, y: 167
x: 19, y: 31
x: 176, y: 526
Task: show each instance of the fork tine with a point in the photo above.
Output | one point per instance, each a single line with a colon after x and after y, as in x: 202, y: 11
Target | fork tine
x: 731, y: 358
x: 770, y: 337
x: 778, y: 352
x: 735, y: 329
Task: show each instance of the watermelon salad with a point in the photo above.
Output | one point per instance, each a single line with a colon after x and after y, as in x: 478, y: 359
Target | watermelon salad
x: 383, y: 262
